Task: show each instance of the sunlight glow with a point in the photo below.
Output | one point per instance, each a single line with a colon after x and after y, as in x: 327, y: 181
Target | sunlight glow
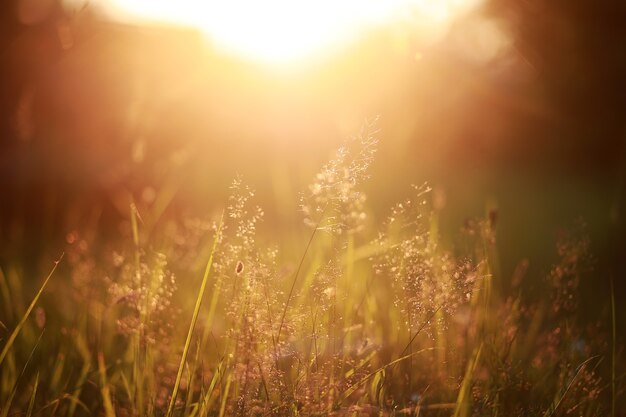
x: 279, y: 31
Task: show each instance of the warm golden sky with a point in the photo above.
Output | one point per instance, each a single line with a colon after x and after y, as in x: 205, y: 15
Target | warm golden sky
x: 283, y: 31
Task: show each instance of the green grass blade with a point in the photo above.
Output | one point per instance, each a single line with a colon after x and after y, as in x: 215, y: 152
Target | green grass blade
x: 225, y: 397
x: 350, y: 390
x: 293, y: 284
x: 5, y: 409
x: 31, y: 403
x: 7, y: 406
x: 613, y: 352
x: 194, y: 318
x: 207, y: 398
x: 83, y: 350
x: 552, y: 411
x: 19, y: 326
x: 461, y: 408
x: 105, y: 390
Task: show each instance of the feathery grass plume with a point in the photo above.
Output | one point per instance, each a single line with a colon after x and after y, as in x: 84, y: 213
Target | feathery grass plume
x: 417, y: 334
x: 570, y: 346
x: 321, y: 350
x: 563, y: 281
x: 246, y: 282
x: 239, y: 234
x: 140, y: 301
x: 430, y: 289
x: 144, y: 299
x: 538, y: 349
x: 334, y: 201
x: 426, y: 279
x: 564, y: 277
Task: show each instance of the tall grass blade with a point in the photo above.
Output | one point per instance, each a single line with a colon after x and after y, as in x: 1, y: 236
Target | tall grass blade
x: 31, y: 403
x: 225, y: 397
x: 7, y: 406
x: 194, y: 318
x: 19, y: 326
x: 613, y: 351
x: 461, y: 409
x: 207, y: 398
x: 105, y: 390
x: 83, y: 350
x: 293, y: 284
x: 552, y: 410
x: 369, y: 376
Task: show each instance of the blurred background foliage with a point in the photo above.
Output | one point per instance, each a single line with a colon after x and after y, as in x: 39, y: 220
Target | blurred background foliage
x: 528, y: 121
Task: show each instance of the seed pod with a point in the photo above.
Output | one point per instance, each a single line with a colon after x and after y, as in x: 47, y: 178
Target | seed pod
x: 239, y: 268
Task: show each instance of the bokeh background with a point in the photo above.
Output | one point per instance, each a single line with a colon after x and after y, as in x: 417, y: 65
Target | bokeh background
x: 514, y: 106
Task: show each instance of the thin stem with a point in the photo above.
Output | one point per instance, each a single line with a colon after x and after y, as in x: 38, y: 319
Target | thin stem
x: 613, y: 353
x: 18, y: 328
x: 194, y: 318
x: 293, y: 285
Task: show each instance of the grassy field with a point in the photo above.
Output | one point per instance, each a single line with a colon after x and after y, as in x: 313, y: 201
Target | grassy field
x: 343, y: 315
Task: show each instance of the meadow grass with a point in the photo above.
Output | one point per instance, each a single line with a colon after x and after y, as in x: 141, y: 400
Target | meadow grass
x: 367, y: 320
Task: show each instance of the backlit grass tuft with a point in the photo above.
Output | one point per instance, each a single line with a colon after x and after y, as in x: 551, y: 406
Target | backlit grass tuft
x: 367, y: 319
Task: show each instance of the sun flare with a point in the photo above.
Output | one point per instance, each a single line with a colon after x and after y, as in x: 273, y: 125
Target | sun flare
x: 279, y: 31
